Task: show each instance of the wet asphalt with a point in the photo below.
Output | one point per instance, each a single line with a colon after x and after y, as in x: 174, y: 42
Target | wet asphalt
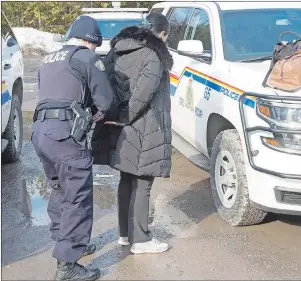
x: 182, y: 213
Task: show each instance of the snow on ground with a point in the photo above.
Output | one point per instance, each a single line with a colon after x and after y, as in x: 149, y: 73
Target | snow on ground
x: 36, y: 40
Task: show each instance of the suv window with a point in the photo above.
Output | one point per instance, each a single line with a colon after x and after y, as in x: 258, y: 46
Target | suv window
x: 199, y: 29
x: 7, y: 33
x: 111, y: 27
x: 156, y: 10
x: 178, y: 24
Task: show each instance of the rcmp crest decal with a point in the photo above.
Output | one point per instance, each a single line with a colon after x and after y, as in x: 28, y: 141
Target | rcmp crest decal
x: 189, y: 99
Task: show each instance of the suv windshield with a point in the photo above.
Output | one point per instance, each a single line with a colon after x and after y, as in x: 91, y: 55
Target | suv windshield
x: 110, y: 28
x: 252, y: 34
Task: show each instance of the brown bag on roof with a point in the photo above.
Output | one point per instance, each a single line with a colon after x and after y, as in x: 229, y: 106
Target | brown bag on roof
x: 285, y: 70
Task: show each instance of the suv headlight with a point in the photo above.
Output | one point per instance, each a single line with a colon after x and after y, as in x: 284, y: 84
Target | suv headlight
x: 282, y: 116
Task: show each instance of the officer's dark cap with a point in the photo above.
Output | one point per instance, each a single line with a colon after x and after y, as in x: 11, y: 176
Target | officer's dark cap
x: 86, y: 28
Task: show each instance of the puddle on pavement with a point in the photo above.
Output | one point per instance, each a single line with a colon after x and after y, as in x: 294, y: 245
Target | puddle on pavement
x: 35, y: 194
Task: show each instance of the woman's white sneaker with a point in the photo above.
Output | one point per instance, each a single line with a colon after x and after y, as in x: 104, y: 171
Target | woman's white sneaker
x: 152, y: 247
x: 123, y: 241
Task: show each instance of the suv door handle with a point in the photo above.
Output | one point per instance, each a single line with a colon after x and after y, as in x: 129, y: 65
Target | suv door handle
x: 7, y: 66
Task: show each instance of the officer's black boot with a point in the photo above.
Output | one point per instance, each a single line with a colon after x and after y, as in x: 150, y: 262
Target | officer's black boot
x: 90, y: 250
x: 74, y: 271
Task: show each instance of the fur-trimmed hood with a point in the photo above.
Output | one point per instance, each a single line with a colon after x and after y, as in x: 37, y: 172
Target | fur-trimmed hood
x: 134, y: 37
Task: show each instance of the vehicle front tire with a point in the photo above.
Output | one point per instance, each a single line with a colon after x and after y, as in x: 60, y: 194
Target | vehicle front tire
x: 13, y: 133
x: 229, y: 182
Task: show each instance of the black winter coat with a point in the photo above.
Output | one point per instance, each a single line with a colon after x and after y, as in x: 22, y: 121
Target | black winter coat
x: 138, y: 67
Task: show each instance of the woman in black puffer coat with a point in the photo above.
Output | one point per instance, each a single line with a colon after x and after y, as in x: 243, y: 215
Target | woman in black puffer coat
x: 138, y: 66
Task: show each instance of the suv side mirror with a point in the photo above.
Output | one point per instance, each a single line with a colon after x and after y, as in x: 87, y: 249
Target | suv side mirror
x: 11, y: 42
x: 193, y: 48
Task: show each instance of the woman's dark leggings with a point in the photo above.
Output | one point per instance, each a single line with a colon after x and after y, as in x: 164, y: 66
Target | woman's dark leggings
x: 133, y: 207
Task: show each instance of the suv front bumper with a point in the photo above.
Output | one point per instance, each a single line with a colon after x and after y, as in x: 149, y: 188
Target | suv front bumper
x: 247, y: 130
x: 269, y: 188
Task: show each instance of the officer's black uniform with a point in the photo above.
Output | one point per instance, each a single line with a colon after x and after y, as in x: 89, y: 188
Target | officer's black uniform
x: 71, y: 74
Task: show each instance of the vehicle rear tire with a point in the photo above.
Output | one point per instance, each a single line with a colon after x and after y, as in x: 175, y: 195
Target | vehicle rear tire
x: 13, y: 133
x: 229, y: 182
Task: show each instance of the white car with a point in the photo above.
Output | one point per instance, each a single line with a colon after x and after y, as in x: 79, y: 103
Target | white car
x: 246, y: 135
x: 11, y: 94
x: 111, y: 21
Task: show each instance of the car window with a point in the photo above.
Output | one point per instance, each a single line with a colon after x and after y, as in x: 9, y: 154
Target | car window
x: 110, y: 28
x: 7, y: 33
x: 251, y: 34
x: 156, y: 10
x: 4, y: 27
x: 178, y: 23
x: 199, y: 29
x: 66, y: 36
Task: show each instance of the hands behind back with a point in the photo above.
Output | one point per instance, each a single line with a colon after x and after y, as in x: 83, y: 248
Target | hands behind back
x: 99, y: 116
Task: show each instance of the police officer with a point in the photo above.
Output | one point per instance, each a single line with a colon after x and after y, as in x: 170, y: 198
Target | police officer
x: 74, y: 73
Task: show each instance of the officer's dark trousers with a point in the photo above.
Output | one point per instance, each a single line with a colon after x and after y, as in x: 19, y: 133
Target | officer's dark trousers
x: 133, y: 207
x: 70, y: 207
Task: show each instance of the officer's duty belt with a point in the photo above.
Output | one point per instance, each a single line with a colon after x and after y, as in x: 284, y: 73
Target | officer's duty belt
x: 61, y: 114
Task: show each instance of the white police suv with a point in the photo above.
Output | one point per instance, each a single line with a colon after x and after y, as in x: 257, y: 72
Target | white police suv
x: 11, y: 94
x: 111, y: 21
x: 224, y: 120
